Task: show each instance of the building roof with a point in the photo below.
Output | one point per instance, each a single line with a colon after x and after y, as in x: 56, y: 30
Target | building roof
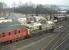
x: 16, y: 16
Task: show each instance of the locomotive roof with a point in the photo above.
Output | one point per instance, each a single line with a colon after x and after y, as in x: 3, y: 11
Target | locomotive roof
x: 7, y: 26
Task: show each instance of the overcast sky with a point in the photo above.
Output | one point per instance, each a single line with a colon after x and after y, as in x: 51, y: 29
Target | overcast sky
x: 55, y: 2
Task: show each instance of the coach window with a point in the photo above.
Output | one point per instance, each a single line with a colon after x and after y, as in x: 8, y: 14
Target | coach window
x: 9, y: 33
x: 3, y: 34
x: 0, y: 35
x: 19, y: 31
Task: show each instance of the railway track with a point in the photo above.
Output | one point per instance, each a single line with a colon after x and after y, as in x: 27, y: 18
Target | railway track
x: 40, y: 35
x: 23, y: 42
x: 64, y: 35
x: 64, y: 45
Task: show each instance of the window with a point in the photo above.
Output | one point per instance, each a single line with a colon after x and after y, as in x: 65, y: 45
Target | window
x: 9, y: 33
x: 3, y: 34
x: 19, y: 31
x: 0, y: 35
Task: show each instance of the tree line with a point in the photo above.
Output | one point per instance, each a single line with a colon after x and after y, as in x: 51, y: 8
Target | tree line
x: 38, y: 9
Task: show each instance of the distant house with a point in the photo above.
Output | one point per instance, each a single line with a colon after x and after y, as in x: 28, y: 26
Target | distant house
x: 18, y: 18
x: 15, y: 17
x: 61, y: 15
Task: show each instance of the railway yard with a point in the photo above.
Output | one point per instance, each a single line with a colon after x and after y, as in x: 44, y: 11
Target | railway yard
x: 34, y: 25
x: 55, y: 40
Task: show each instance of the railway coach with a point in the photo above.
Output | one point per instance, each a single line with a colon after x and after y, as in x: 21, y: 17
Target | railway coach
x: 11, y: 31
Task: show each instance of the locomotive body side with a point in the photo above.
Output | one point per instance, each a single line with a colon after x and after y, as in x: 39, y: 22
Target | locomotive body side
x: 38, y: 23
x: 33, y: 28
